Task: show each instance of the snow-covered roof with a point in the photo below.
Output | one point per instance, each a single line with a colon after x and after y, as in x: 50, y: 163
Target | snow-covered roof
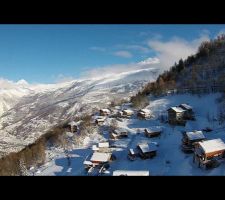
x: 154, y: 128
x: 212, y: 145
x: 73, y: 123
x: 120, y: 130
x: 105, y: 110
x: 130, y: 173
x: 177, y: 109
x: 87, y: 162
x: 145, y: 148
x: 131, y: 151
x: 186, y: 106
x: 128, y: 111
x: 195, y: 135
x: 103, y: 144
x: 100, y: 157
x: 145, y: 111
x: 100, y: 119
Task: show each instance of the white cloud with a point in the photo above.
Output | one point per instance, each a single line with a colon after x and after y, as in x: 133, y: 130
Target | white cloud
x: 110, y: 70
x: 61, y: 78
x: 123, y: 54
x: 95, y: 48
x: 169, y: 52
x: 138, y: 48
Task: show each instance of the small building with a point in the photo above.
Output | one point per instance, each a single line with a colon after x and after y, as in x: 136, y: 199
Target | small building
x: 130, y: 173
x: 127, y: 112
x: 74, y: 126
x: 208, y: 153
x: 147, y: 150
x: 144, y: 113
x: 153, y: 132
x: 190, y: 139
x: 132, y: 155
x: 99, y: 120
x: 119, y: 133
x: 188, y: 114
x: 100, y: 158
x: 104, y: 112
x: 175, y: 115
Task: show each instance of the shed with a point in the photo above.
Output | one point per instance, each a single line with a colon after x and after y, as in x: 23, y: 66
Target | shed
x: 104, y: 112
x: 128, y: 112
x: 147, y: 150
x: 188, y: 114
x: 98, y: 157
x: 153, y: 131
x: 74, y: 126
x: 144, y: 113
x: 119, y: 133
x: 175, y: 115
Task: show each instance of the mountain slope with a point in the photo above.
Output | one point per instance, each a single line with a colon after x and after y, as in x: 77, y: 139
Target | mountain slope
x: 38, y: 111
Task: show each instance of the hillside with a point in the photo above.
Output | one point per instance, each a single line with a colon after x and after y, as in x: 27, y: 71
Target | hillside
x: 205, y: 69
x: 34, y: 114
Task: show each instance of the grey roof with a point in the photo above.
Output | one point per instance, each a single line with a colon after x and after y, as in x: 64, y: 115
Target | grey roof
x: 195, y: 135
x: 145, y: 148
x: 186, y: 106
x: 177, y: 109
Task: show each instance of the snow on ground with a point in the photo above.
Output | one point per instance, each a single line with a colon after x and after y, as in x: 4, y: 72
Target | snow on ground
x: 170, y: 160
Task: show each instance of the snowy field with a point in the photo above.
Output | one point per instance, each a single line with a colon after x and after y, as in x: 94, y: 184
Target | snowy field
x: 170, y: 160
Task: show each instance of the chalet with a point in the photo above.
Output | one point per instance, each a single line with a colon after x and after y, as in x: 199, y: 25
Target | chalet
x: 188, y: 114
x: 144, y: 113
x: 119, y: 133
x: 99, y: 120
x: 208, y: 153
x: 130, y: 173
x: 100, y: 158
x: 175, y: 115
x: 190, y: 139
x: 104, y: 112
x: 127, y: 112
x: 153, y: 132
x: 147, y: 150
x: 74, y: 126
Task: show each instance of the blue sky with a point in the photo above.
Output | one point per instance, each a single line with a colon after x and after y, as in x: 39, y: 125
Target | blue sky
x: 49, y: 53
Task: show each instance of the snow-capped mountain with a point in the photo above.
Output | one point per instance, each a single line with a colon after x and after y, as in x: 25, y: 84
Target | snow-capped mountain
x: 42, y: 106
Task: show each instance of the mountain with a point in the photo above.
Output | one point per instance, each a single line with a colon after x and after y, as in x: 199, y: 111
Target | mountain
x: 43, y: 106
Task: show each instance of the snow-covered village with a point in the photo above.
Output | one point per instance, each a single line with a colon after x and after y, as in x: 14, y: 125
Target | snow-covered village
x: 162, y: 116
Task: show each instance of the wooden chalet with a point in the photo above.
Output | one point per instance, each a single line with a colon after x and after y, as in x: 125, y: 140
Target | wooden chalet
x: 119, y: 133
x: 147, y: 150
x: 188, y: 114
x: 74, y: 126
x: 100, y: 158
x: 153, y: 132
x: 127, y: 112
x: 104, y: 112
x: 99, y: 120
x: 208, y: 153
x: 175, y: 116
x: 144, y: 114
x: 190, y: 139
